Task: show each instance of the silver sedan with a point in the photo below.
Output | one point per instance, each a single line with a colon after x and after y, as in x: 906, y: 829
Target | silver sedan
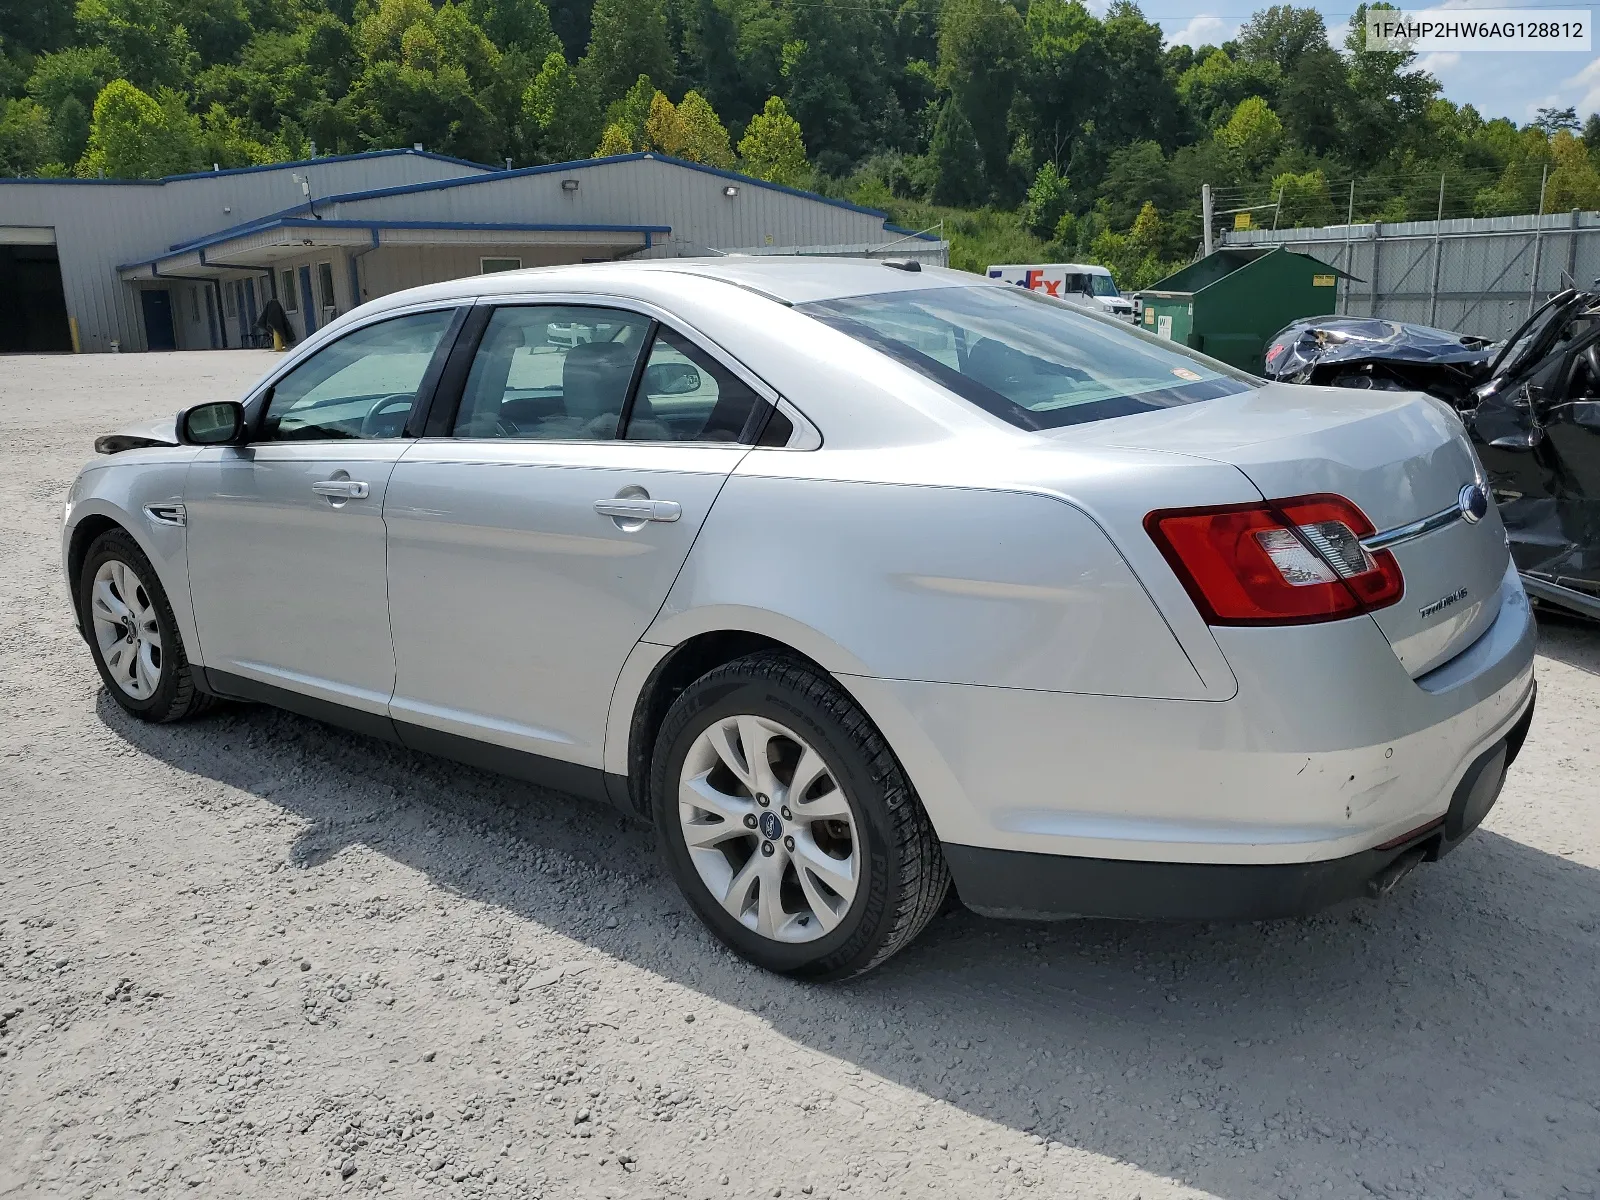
x: 858, y: 580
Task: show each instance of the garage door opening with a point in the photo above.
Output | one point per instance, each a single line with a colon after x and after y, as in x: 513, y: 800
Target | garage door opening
x: 33, y: 307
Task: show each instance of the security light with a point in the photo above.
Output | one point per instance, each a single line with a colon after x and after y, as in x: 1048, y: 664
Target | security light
x: 731, y: 190
x: 569, y: 185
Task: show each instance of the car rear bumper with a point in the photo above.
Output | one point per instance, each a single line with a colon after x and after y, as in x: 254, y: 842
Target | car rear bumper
x: 1329, y: 751
x: 1029, y: 886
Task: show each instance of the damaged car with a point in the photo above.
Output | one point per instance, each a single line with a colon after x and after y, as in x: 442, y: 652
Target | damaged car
x: 1531, y: 405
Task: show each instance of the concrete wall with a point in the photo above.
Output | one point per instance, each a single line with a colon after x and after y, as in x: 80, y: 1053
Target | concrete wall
x: 101, y: 224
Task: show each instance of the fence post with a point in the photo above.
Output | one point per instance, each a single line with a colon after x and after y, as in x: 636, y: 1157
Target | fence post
x: 1538, y: 229
x: 1438, y: 252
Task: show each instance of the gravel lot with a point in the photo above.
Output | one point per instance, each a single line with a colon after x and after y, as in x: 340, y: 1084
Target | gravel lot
x: 256, y: 956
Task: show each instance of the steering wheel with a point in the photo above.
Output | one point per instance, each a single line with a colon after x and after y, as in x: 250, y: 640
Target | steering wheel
x: 396, y: 402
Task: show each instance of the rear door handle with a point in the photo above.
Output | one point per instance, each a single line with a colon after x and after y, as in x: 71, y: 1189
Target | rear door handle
x: 342, y: 489
x: 639, y: 509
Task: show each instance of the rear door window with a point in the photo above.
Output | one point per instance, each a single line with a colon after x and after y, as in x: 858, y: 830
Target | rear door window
x: 685, y: 395
x: 552, y: 373
x: 1032, y: 361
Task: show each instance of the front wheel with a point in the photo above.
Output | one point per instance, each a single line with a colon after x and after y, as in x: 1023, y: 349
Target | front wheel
x: 133, y: 634
x: 788, y: 823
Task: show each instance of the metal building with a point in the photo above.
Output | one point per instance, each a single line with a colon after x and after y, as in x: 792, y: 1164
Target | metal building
x: 187, y: 262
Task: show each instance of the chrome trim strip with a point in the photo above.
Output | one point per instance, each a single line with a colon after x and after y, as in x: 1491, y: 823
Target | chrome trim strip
x: 1385, y: 539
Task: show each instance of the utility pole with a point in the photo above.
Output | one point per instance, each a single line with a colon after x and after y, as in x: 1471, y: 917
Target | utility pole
x: 1277, y: 208
x: 1438, y: 252
x: 1205, y: 216
x: 1349, y: 248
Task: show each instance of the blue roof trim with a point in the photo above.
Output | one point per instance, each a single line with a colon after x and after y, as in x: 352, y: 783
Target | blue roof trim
x: 432, y: 185
x: 283, y: 166
x: 267, y: 223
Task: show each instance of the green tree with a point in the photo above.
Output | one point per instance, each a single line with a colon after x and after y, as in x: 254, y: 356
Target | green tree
x: 1253, y: 132
x: 1591, y: 133
x: 145, y: 37
x: 1282, y: 35
x: 627, y: 39
x: 516, y: 25
x: 137, y: 136
x: 981, y: 49
x: 27, y: 140
x: 614, y: 141
x: 631, y: 112
x: 1302, y: 199
x: 772, y: 148
x: 558, y: 117
x: 77, y: 71
x: 1047, y: 201
x: 698, y: 135
x: 956, y: 158
x: 36, y: 26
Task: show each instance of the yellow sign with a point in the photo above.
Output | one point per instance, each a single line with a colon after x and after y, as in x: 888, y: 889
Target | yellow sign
x: 1241, y: 220
x: 1322, y: 281
x: 1149, y: 315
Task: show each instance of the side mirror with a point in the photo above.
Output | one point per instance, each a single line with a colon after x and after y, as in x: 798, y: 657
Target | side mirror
x: 671, y: 379
x: 220, y: 423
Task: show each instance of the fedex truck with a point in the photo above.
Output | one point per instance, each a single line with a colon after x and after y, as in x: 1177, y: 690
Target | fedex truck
x: 1078, y: 282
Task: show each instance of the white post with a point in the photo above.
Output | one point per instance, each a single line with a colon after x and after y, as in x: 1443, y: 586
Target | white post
x: 1205, y: 216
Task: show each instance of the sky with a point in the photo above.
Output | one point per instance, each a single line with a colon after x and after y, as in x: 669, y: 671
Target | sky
x: 1513, y: 85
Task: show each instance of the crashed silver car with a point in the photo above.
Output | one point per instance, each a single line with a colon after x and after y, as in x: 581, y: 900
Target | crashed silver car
x: 1530, y: 403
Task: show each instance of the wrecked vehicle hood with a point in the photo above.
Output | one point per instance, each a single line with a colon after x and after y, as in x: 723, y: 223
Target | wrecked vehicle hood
x: 161, y: 432
x: 1311, y: 346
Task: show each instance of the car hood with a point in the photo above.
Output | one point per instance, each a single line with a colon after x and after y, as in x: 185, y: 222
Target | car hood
x: 1307, y: 343
x: 161, y: 432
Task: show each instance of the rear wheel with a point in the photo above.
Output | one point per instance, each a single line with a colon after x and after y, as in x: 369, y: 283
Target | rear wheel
x: 788, y: 823
x: 133, y: 634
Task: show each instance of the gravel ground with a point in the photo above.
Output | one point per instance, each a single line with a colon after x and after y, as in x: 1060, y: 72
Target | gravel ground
x: 253, y: 955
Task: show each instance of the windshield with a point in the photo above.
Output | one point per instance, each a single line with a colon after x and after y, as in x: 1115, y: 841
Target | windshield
x: 1034, y: 362
x: 1104, y: 285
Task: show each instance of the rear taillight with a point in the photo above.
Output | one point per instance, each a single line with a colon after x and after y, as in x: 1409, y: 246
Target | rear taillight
x: 1280, y: 562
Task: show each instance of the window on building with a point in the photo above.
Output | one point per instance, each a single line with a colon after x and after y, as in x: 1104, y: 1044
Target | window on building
x: 286, y: 292
x: 325, y: 284
x: 488, y: 266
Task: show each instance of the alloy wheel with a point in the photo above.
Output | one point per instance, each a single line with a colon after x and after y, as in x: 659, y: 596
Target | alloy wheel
x: 769, y: 829
x: 125, y: 629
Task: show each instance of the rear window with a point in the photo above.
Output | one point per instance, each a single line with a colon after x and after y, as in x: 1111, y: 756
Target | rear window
x: 1032, y: 361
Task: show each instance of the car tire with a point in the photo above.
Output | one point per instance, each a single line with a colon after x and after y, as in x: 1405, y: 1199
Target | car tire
x: 146, y: 670
x: 833, y: 878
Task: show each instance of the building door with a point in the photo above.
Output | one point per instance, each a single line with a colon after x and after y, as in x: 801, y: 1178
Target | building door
x: 33, y: 307
x: 308, y: 302
x: 158, y: 330
x: 250, y: 310
x: 211, y: 318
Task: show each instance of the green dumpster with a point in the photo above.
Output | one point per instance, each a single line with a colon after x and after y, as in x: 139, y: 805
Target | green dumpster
x: 1229, y: 303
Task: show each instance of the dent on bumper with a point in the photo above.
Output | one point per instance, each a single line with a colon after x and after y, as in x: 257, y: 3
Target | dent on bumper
x: 1329, y: 749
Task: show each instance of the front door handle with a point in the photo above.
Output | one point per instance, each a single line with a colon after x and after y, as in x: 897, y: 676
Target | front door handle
x: 639, y: 509
x: 341, y: 489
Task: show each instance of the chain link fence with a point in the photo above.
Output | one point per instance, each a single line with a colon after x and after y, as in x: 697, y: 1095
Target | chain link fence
x: 1475, y: 275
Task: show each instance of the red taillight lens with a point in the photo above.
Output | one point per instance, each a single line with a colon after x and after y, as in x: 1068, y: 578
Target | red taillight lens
x: 1280, y: 562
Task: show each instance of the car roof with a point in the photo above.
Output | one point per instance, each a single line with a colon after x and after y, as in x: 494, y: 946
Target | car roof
x: 784, y: 278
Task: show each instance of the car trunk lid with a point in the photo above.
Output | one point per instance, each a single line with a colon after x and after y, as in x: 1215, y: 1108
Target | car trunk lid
x: 1399, y: 456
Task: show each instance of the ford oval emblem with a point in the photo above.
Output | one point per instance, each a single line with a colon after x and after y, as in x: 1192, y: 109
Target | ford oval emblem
x: 1474, y: 504
x: 771, y: 827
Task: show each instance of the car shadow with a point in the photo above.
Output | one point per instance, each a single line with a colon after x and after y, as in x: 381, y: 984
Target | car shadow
x: 1462, y: 1010
x: 1570, y: 639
